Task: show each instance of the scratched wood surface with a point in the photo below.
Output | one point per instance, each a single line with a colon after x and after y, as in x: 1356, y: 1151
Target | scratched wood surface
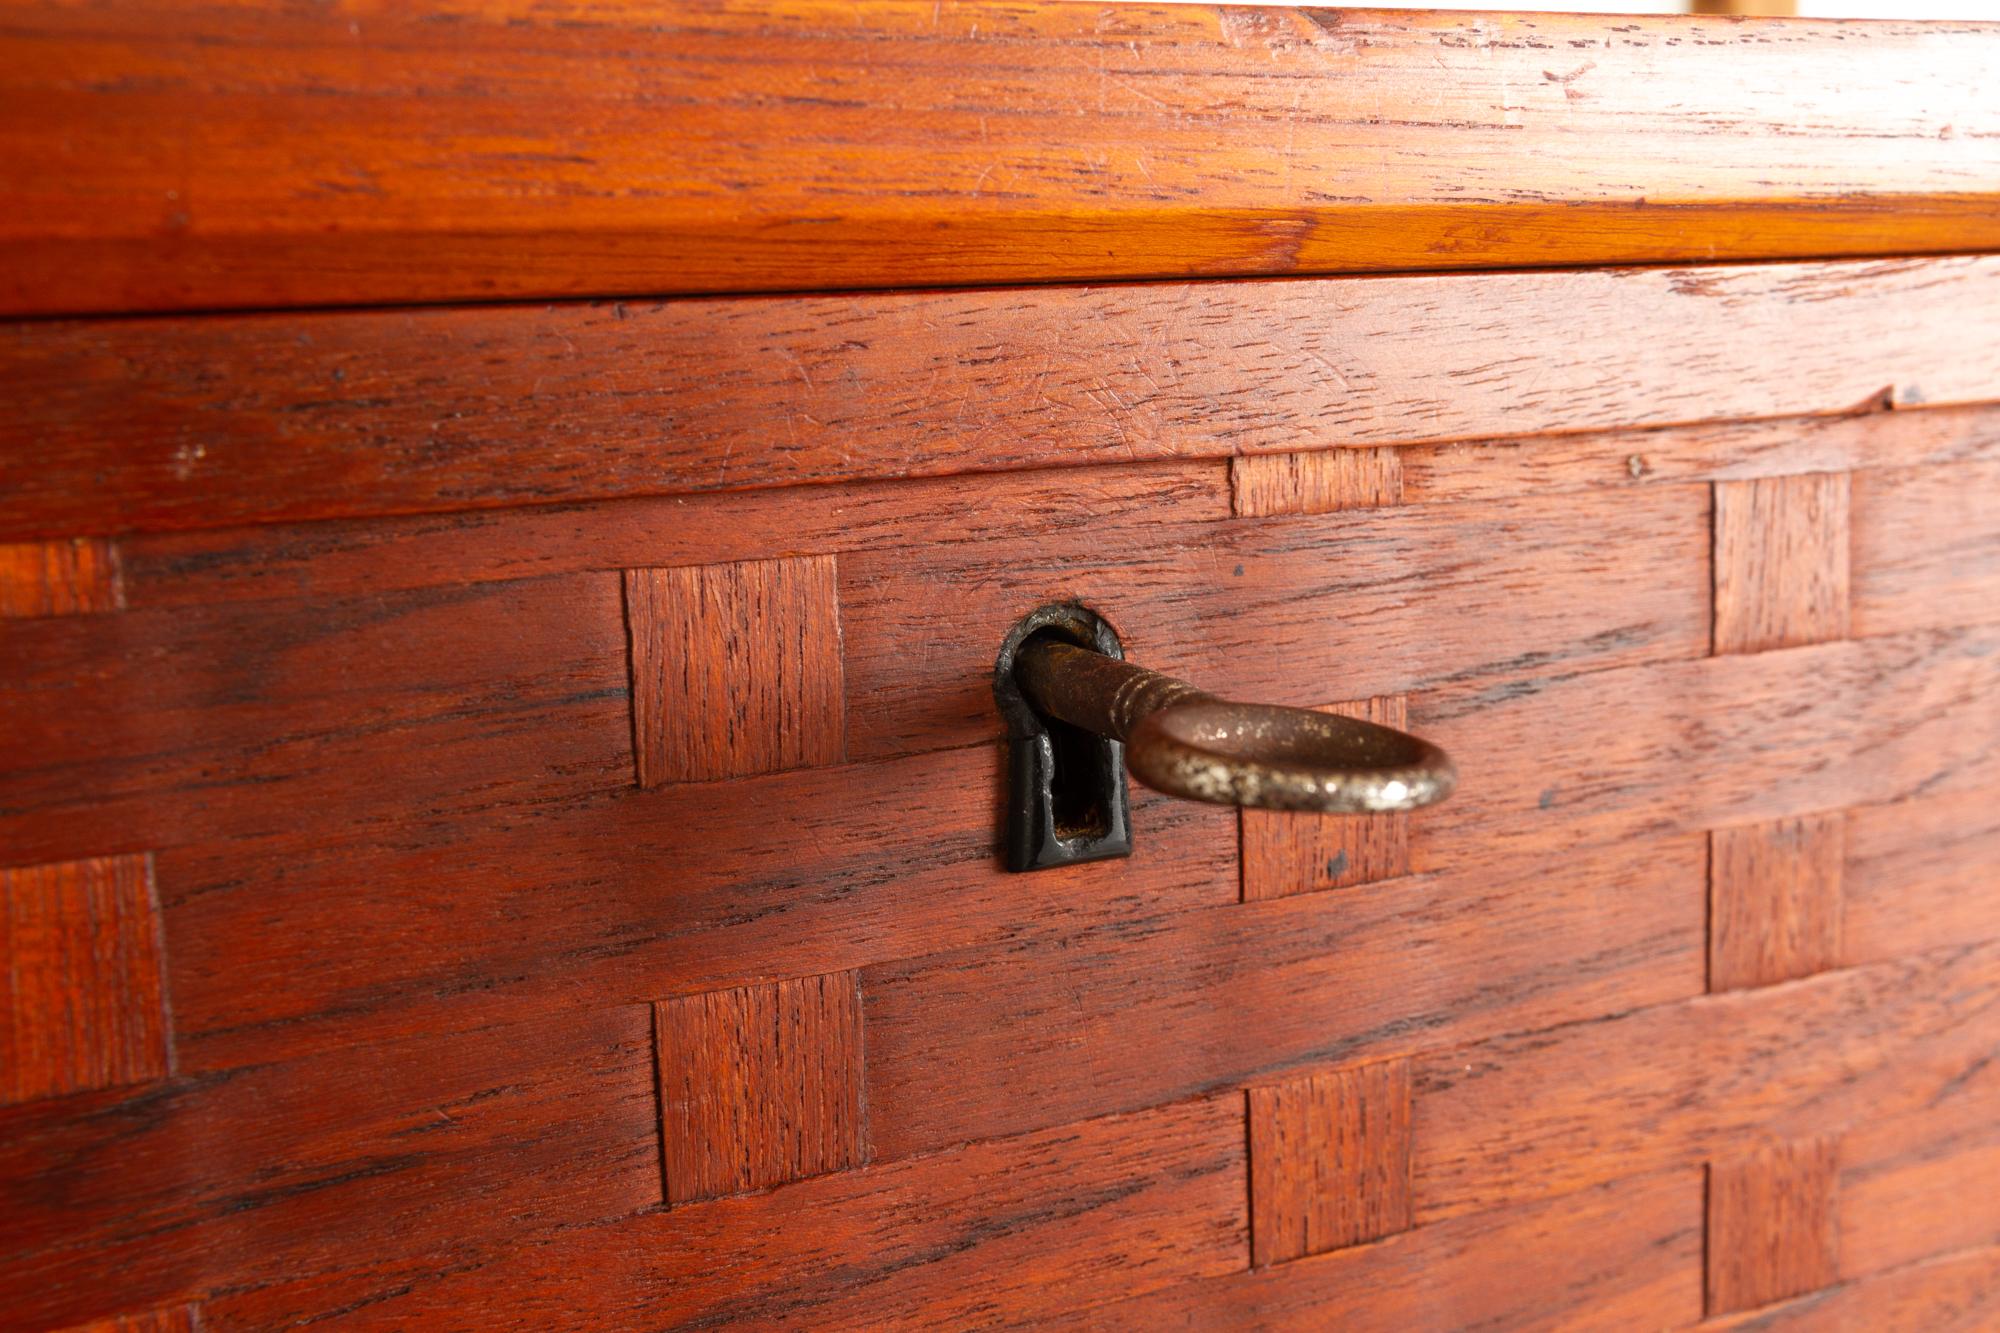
x: 498, y: 802
x: 368, y: 412
x: 260, y: 154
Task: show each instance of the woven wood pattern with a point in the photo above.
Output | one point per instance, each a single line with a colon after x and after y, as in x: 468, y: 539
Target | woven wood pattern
x: 1681, y: 1006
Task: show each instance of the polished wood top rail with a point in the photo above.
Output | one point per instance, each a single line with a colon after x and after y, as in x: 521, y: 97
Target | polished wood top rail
x: 264, y: 154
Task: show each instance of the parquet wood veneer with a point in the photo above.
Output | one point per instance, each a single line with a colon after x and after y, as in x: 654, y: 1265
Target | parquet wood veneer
x: 499, y: 777
x: 85, y: 1005
x: 1329, y: 1161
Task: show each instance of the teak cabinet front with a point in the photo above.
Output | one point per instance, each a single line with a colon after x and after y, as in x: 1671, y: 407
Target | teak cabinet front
x: 500, y: 803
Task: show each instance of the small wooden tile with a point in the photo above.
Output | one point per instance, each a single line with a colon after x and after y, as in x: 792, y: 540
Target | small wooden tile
x: 1285, y: 853
x: 736, y: 669
x: 1771, y: 1224
x: 760, y: 1085
x: 1775, y: 900
x: 59, y: 578
x: 1329, y: 1161
x: 80, y: 954
x: 1321, y: 482
x: 1781, y: 562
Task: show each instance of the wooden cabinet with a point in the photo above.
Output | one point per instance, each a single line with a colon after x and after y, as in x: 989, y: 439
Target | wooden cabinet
x: 507, y: 513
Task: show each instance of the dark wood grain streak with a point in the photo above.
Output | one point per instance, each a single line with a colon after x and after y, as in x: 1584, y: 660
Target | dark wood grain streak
x: 1622, y: 1255
x: 1289, y: 852
x: 259, y: 155
x: 80, y: 958
x: 378, y: 412
x: 1772, y: 1224
x: 1775, y: 900
x: 1329, y: 1161
x: 760, y: 1085
x: 736, y: 669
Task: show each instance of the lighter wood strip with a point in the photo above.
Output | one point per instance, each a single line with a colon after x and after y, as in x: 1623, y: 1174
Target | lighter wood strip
x: 1322, y: 482
x: 980, y: 142
x: 736, y: 669
x: 760, y: 1085
x: 1781, y: 562
x: 80, y: 946
x: 1775, y: 901
x: 1771, y: 1224
x: 1285, y: 852
x: 58, y: 578
x: 1329, y: 1161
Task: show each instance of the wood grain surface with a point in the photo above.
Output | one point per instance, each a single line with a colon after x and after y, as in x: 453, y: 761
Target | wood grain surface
x: 1622, y: 1255
x: 499, y: 784
x: 760, y: 1085
x: 1329, y: 1161
x: 736, y: 669
x: 1959, y: 1293
x: 85, y: 1005
x: 1315, y: 483
x: 1774, y: 908
x: 59, y: 578
x: 1772, y: 1224
x: 372, y: 412
x: 1782, y: 568
x: 261, y: 155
